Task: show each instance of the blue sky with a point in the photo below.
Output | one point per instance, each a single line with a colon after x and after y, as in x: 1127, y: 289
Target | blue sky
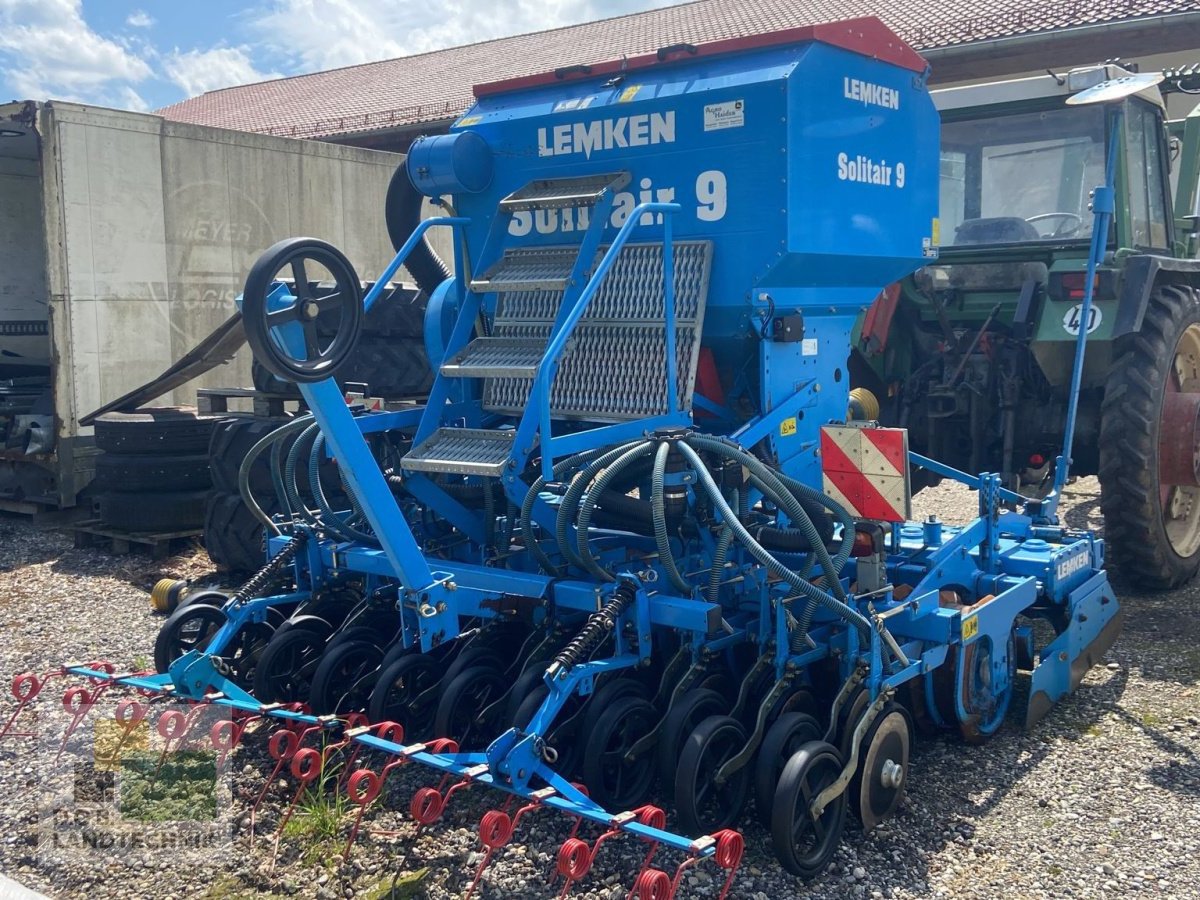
x: 147, y: 54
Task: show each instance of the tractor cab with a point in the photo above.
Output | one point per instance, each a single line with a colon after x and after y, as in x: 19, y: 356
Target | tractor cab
x: 974, y: 352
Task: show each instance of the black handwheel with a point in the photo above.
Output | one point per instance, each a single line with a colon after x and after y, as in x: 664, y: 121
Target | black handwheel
x: 406, y: 692
x: 462, y: 701
x: 704, y: 804
x: 287, y: 665
x: 689, y: 711
x: 614, y: 780
x: 805, y: 844
x: 345, y: 678
x: 878, y: 784
x: 338, y: 305
x: 791, y: 731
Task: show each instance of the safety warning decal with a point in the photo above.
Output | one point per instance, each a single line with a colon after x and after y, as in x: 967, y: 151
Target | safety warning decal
x: 866, y: 470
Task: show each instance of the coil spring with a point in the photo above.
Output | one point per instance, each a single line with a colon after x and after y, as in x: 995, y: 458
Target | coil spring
x: 599, y: 626
x: 260, y: 579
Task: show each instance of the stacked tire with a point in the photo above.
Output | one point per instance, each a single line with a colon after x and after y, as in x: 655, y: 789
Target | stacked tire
x: 152, y: 475
x: 233, y: 536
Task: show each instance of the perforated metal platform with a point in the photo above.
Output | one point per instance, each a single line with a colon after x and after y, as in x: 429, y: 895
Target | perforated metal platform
x: 492, y: 357
x: 466, y: 451
x: 529, y: 269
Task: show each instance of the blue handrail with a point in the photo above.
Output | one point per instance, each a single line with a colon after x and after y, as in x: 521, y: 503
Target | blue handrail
x: 402, y: 254
x: 549, y: 365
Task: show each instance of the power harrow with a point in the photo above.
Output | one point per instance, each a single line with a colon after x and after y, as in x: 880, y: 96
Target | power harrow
x: 635, y: 546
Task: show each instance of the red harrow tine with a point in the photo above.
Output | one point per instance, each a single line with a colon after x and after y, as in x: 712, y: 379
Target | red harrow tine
x: 655, y: 884
x: 575, y: 857
x: 172, y: 727
x: 130, y: 713
x: 306, y: 768
x: 652, y: 817
x: 78, y: 701
x: 282, y: 746
x: 496, y: 830
x: 364, y: 785
x: 25, y: 689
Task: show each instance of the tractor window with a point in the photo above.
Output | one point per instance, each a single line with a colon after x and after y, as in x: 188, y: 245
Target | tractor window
x: 1144, y: 169
x: 1021, y: 177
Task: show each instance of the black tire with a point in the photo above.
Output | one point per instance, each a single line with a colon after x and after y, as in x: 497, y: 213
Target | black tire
x: 188, y: 628
x: 131, y: 473
x: 462, y: 701
x: 401, y: 685
x: 390, y: 367
x: 1149, y: 547
x: 159, y: 431
x: 286, y: 667
x: 791, y: 731
x: 606, y: 695
x: 613, y: 781
x: 231, y: 441
x: 703, y: 806
x: 345, y: 678
x: 192, y: 627
x: 165, y: 511
x: 398, y: 313
x: 269, y: 383
x: 233, y: 537
x: 811, y: 769
x: 689, y: 711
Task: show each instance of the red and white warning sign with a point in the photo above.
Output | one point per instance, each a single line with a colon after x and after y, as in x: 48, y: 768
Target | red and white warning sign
x: 866, y: 470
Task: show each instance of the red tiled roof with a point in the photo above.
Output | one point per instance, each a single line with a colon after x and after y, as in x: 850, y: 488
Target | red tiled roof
x: 434, y: 86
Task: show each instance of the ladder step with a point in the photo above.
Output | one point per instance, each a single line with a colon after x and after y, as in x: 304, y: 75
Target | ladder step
x: 557, y: 193
x: 529, y: 269
x: 462, y: 451
x: 497, y: 357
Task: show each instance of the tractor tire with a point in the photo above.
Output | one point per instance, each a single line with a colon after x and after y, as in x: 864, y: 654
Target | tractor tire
x: 163, y: 431
x: 390, y: 367
x: 153, y: 511
x: 231, y: 441
x: 1152, y: 532
x: 128, y: 473
x: 233, y: 537
x: 269, y: 383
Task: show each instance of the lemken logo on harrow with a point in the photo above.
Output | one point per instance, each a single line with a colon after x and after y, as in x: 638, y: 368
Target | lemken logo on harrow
x: 642, y: 130
x: 1069, y: 565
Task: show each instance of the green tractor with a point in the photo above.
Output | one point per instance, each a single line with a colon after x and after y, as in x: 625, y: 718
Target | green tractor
x: 973, y: 354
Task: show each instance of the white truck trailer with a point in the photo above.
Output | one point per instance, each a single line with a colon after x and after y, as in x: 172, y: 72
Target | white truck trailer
x: 124, y: 240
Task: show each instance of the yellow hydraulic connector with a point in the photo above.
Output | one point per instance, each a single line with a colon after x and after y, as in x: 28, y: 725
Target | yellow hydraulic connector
x: 166, y: 594
x: 864, y: 406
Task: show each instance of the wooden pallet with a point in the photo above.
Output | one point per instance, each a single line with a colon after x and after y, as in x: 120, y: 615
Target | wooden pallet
x: 94, y: 533
x: 216, y: 400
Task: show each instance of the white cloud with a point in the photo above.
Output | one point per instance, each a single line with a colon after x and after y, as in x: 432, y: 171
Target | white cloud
x: 139, y: 18
x: 49, y: 52
x: 198, y: 71
x: 329, y: 33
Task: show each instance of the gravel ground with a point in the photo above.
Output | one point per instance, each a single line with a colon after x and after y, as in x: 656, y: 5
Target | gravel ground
x: 1099, y: 800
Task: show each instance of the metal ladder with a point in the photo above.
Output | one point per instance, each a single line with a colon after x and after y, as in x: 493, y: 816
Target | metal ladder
x: 611, y: 368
